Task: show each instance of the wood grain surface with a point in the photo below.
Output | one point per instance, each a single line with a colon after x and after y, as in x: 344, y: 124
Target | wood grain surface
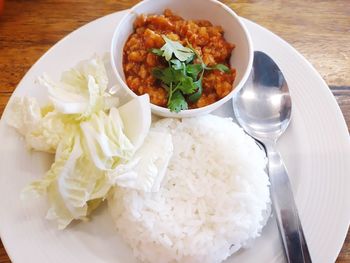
x: 319, y: 29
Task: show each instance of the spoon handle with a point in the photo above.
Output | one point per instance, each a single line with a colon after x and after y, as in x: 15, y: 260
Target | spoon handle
x: 285, y: 210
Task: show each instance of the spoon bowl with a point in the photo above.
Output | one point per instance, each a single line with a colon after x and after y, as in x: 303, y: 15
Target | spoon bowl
x: 263, y: 107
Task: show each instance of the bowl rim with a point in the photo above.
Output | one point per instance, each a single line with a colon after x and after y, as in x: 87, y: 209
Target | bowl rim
x: 162, y: 111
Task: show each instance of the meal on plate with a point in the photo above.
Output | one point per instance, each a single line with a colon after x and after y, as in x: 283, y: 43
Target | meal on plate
x: 190, y: 190
x: 180, y: 63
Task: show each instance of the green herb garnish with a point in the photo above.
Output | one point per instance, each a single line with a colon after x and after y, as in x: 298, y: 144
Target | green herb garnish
x: 182, y: 79
x: 172, y: 47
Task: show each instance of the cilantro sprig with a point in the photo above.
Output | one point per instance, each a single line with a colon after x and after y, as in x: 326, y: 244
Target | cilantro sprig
x: 182, y: 79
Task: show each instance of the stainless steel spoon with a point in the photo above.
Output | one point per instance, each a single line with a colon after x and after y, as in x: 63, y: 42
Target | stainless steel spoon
x: 263, y: 108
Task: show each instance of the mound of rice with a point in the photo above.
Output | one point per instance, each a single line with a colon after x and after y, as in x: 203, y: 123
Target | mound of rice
x: 213, y: 200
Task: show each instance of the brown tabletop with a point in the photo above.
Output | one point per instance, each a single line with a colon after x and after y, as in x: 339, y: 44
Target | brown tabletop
x: 320, y: 30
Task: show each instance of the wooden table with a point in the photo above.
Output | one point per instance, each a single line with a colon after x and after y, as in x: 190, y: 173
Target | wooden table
x: 320, y: 30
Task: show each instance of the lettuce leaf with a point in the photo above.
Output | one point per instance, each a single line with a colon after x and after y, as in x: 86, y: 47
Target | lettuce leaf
x: 146, y: 169
x: 72, y: 183
x: 97, y: 146
x: 105, y: 140
x: 82, y: 90
x: 42, y: 128
x: 78, y: 76
x: 50, y: 130
x: 23, y: 114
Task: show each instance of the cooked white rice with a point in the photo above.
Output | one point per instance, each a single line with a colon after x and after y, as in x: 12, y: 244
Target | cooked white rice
x: 213, y: 199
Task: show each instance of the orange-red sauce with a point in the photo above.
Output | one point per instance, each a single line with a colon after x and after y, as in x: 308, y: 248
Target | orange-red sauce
x: 207, y: 39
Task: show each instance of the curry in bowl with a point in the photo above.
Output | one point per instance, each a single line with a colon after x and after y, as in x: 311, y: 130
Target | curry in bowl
x: 182, y: 64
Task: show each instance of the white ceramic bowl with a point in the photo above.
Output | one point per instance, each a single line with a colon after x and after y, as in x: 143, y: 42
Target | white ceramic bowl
x: 214, y: 11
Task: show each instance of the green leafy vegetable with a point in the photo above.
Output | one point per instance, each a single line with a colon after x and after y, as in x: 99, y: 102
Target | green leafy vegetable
x: 177, y: 64
x: 193, y: 70
x: 167, y: 75
x: 70, y: 183
x: 81, y: 89
x: 157, y: 51
x: 221, y: 67
x: 183, y: 78
x: 146, y: 166
x: 195, y: 96
x: 177, y: 102
x: 173, y: 47
x: 190, y: 59
x: 187, y: 86
x: 96, y: 146
x: 105, y: 140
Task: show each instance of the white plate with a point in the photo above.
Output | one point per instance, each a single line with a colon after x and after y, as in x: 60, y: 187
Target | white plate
x: 315, y: 148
